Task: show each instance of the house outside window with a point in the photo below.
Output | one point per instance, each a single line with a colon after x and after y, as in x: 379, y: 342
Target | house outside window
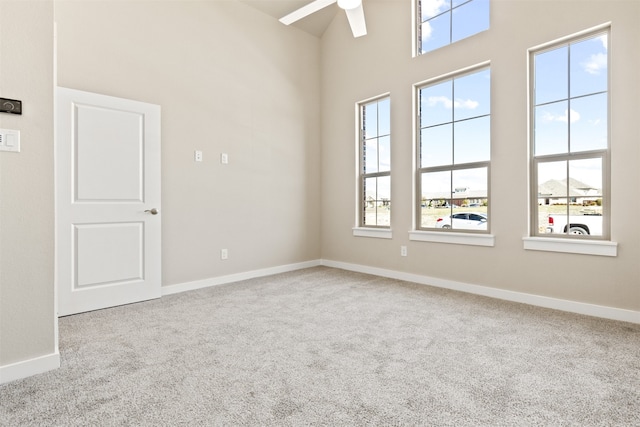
x: 454, y: 152
x: 570, y: 138
x: 442, y: 22
x: 374, y: 205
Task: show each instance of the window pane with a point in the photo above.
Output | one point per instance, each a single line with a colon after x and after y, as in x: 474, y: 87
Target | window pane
x: 377, y: 203
x: 551, y: 76
x: 384, y: 117
x: 469, y: 184
x: 371, y: 156
x: 472, y: 95
x: 431, y: 8
x: 472, y: 140
x: 469, y: 19
x: 436, y: 104
x: 589, y: 123
x: 436, y: 146
x: 552, y: 181
x: 552, y: 192
x: 469, y: 187
x: 585, y: 178
x: 435, y: 198
x: 384, y: 153
x: 551, y: 131
x: 585, y: 189
x: 436, y: 32
x: 589, y: 66
x: 371, y: 120
x: 575, y: 199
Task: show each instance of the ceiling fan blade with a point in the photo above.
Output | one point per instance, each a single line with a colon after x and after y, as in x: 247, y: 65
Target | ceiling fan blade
x: 304, y: 11
x: 356, y: 20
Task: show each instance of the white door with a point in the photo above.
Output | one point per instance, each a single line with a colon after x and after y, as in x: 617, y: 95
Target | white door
x: 107, y: 201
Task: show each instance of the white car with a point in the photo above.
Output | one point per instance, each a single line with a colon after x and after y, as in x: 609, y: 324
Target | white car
x: 464, y: 220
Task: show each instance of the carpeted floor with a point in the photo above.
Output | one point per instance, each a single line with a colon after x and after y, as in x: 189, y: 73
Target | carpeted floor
x: 327, y: 347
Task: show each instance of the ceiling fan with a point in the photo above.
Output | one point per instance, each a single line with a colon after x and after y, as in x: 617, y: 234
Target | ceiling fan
x: 353, y: 9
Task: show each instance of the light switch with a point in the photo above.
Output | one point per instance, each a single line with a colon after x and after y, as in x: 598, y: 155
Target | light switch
x: 10, y: 140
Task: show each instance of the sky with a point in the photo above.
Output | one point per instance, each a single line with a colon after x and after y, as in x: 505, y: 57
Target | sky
x: 447, y: 21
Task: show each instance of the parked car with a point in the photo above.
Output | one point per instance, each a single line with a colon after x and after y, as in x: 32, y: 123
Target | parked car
x: 464, y: 220
x: 577, y: 224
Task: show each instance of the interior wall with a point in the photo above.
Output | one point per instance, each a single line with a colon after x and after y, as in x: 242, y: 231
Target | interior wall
x: 26, y: 184
x: 229, y: 79
x: 358, y: 69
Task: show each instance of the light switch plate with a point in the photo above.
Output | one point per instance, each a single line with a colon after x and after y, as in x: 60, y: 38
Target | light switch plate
x: 10, y: 140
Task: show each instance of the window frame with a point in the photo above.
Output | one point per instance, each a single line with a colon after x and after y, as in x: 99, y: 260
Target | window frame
x: 428, y: 233
x: 535, y: 235
x: 361, y: 229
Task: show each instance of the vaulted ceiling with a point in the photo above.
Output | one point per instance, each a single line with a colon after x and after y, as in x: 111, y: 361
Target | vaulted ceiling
x: 314, y: 24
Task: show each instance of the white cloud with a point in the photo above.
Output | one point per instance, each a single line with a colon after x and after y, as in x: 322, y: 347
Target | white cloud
x: 426, y: 31
x: 548, y: 117
x: 448, y: 103
x: 604, y: 40
x: 596, y: 63
x: 467, y: 104
x: 433, y: 7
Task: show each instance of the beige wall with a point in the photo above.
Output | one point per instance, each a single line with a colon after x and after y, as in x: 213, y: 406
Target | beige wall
x: 26, y: 183
x: 357, y: 69
x: 229, y: 79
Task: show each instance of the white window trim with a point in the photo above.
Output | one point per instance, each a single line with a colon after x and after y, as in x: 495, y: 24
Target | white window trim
x: 565, y: 245
x: 569, y: 246
x: 459, y: 238
x: 382, y: 232
x: 471, y: 239
x: 379, y: 233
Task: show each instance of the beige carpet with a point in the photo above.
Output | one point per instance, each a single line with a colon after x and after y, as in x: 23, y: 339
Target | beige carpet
x: 327, y: 347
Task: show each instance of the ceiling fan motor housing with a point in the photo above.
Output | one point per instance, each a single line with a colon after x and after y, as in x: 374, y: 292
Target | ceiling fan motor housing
x: 349, y: 4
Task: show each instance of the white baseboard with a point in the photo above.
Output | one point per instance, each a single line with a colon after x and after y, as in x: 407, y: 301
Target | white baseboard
x: 531, y: 299
x: 27, y: 368
x: 215, y: 281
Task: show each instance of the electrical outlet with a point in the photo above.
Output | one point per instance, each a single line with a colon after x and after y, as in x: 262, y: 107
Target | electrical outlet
x: 197, y: 156
x: 224, y: 158
x: 224, y: 254
x: 403, y: 251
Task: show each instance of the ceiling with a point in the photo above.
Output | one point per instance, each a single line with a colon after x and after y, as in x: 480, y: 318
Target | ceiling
x: 314, y: 24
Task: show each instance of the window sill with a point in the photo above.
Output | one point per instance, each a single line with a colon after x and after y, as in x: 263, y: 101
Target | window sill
x: 453, y: 238
x: 570, y: 246
x: 379, y: 233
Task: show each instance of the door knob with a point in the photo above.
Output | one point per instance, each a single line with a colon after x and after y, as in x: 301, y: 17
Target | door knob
x: 153, y: 211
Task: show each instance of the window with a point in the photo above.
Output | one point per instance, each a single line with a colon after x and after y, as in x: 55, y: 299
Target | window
x: 375, y: 163
x: 454, y: 151
x: 570, y: 138
x: 443, y: 22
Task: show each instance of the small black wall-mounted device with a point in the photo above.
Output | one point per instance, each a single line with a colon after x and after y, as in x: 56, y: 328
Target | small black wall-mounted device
x: 12, y: 106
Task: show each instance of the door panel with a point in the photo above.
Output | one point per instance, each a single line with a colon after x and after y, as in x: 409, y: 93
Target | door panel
x: 107, y: 182
x: 109, y: 159
x: 107, y: 254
